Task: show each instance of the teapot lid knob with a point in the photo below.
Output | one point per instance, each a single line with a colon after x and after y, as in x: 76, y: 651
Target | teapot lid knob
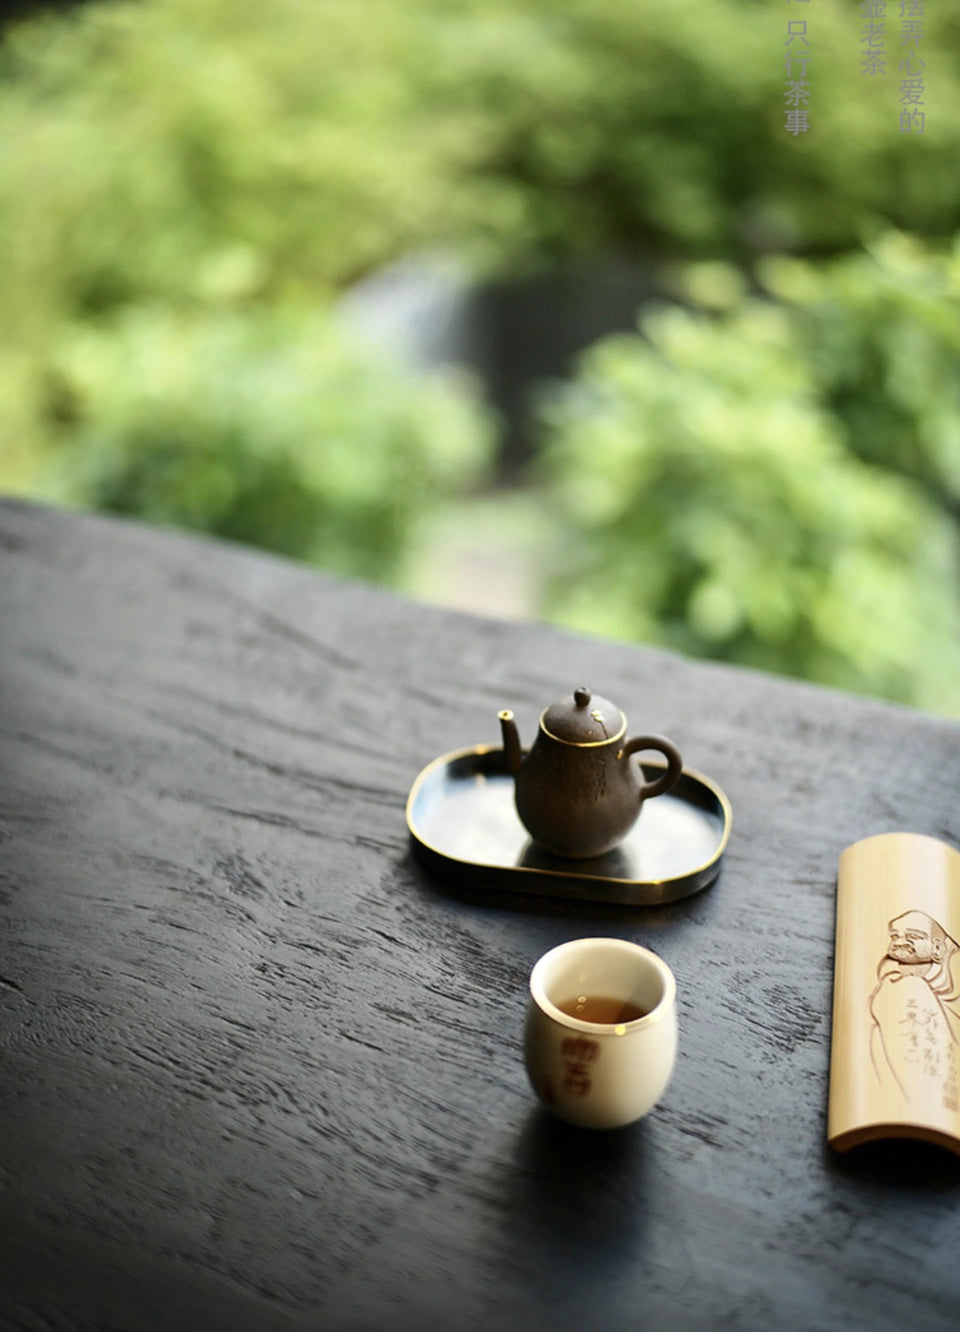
x: 581, y: 696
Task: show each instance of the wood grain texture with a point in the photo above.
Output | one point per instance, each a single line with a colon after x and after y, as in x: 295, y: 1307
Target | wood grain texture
x: 260, y: 1071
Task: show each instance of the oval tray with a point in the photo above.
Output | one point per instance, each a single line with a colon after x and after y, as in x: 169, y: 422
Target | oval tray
x: 463, y: 824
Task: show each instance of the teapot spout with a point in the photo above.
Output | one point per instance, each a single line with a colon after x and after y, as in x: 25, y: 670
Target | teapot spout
x: 511, y: 741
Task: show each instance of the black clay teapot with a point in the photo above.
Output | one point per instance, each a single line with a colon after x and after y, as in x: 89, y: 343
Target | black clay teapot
x: 577, y: 792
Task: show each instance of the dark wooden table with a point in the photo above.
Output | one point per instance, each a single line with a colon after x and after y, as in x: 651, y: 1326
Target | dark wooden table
x: 259, y: 1070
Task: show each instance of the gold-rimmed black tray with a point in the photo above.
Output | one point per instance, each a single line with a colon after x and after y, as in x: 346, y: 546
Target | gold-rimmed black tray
x: 463, y: 824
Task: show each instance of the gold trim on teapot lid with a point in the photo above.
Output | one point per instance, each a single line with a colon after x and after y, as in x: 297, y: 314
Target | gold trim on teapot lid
x: 583, y: 720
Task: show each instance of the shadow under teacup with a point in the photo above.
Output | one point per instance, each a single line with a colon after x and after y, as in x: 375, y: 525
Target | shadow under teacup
x: 600, y: 1041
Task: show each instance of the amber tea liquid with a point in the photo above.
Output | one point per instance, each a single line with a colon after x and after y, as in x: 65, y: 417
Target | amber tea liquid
x: 598, y: 1008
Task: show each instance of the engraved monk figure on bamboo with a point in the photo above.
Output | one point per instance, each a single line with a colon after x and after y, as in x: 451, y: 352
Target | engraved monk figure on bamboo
x: 915, y: 1010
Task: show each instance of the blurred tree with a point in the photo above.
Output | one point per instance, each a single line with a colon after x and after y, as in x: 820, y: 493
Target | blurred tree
x: 712, y: 486
x: 881, y: 334
x: 185, y: 183
x: 606, y: 126
x: 275, y: 430
x: 201, y: 153
x: 194, y: 152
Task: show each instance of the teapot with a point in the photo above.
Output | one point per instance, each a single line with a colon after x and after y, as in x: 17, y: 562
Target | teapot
x: 577, y: 793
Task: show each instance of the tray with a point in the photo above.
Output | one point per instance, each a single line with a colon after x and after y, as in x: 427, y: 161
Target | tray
x: 464, y: 825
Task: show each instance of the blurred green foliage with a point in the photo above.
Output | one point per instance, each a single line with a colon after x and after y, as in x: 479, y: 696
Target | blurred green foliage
x: 280, y: 431
x: 186, y: 186
x: 200, y: 152
x: 183, y: 187
x: 622, y: 126
x: 881, y: 332
x: 771, y: 483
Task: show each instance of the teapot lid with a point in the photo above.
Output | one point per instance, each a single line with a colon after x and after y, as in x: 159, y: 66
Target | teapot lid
x: 584, y: 719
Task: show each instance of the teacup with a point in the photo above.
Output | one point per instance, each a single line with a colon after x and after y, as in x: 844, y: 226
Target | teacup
x: 600, y: 1042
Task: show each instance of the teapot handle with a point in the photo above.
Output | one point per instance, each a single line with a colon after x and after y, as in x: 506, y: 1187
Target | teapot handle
x: 670, y: 753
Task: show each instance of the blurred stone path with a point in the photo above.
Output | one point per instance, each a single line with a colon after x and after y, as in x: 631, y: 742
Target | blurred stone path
x: 485, y: 555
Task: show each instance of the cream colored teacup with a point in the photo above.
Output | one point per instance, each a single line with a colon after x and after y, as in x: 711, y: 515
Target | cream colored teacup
x: 601, y: 1033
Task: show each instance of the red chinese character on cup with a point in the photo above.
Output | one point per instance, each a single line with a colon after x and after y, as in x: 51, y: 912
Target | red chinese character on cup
x: 580, y: 1048
x: 578, y: 1053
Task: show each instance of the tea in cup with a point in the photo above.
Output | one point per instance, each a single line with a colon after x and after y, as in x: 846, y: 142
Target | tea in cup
x: 600, y: 1041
